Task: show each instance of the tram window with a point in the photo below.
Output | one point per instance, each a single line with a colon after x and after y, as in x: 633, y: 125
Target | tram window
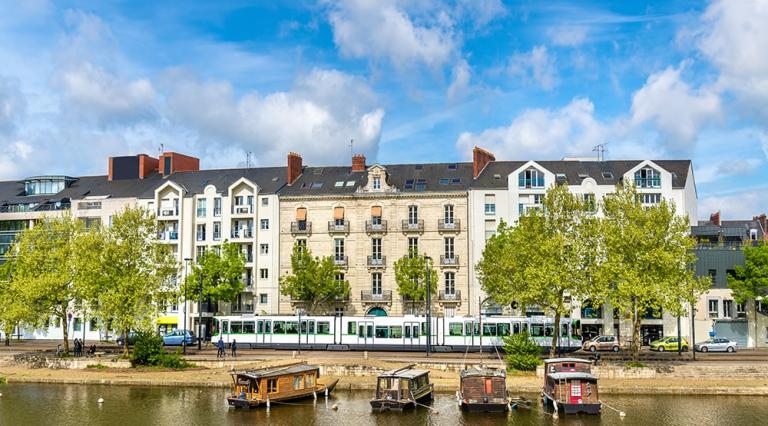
x: 468, y: 329
x: 260, y: 327
x: 291, y: 327
x: 407, y: 331
x: 564, y: 330
x: 455, y: 329
x: 267, y: 327
x: 278, y: 327
x: 516, y: 328
x: 424, y: 328
x: 303, y: 327
x: 225, y: 327
x: 525, y: 326
x: 537, y: 330
x: 351, y: 327
x: 323, y: 327
x: 382, y: 331
x: 503, y: 329
x: 311, y: 327
x: 416, y: 331
x: 236, y: 327
x: 395, y: 332
x: 477, y: 329
x: 248, y: 327
x: 489, y: 329
x: 548, y: 330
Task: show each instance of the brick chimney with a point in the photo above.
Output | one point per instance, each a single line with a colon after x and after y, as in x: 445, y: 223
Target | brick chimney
x: 763, y: 220
x: 358, y: 163
x: 131, y: 167
x: 147, y: 165
x: 714, y: 218
x: 294, y: 167
x: 480, y: 159
x: 171, y: 162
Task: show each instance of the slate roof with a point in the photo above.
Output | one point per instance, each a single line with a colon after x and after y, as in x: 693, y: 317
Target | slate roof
x: 572, y: 375
x: 269, y: 179
x: 405, y: 373
x: 276, y: 371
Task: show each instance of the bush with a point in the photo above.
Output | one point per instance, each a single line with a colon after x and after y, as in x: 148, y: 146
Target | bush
x: 173, y: 361
x: 96, y: 366
x: 147, y: 350
x: 635, y: 364
x: 522, y: 352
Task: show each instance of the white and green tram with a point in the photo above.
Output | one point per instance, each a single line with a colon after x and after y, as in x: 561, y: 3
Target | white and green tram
x: 407, y: 333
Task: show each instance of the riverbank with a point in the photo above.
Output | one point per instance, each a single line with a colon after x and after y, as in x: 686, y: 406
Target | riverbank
x: 357, y: 374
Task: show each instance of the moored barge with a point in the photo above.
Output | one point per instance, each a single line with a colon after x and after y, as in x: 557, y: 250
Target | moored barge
x: 483, y: 390
x: 400, y: 389
x: 256, y: 388
x: 570, y: 386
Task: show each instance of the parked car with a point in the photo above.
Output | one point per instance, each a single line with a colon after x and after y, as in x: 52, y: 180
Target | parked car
x: 718, y: 344
x: 669, y: 343
x: 132, y: 335
x: 601, y: 343
x: 177, y: 337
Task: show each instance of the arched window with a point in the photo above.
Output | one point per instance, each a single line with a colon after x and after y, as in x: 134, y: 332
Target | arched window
x: 531, y: 178
x: 377, y: 312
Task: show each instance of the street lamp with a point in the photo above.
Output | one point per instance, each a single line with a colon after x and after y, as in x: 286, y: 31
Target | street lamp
x: 200, y: 315
x: 184, y: 340
x: 758, y: 299
x: 480, y: 316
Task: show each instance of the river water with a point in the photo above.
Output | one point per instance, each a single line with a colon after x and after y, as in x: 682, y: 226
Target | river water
x: 34, y: 404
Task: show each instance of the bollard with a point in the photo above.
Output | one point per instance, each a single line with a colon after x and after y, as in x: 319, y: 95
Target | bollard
x: 293, y: 354
x: 365, y: 355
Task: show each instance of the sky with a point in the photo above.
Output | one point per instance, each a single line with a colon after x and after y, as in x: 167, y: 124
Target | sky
x: 405, y: 81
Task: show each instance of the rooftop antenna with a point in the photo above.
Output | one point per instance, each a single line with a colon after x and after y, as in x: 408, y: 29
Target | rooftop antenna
x: 162, y: 149
x: 248, y: 159
x: 601, y: 150
x: 351, y: 147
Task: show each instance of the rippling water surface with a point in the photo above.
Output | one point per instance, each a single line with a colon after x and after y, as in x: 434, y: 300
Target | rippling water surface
x: 33, y: 404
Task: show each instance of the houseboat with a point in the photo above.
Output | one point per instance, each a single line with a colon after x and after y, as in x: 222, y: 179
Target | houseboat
x: 397, y: 390
x: 483, y: 390
x: 255, y: 388
x: 570, y: 386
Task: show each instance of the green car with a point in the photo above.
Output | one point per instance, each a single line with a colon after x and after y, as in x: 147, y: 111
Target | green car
x: 668, y: 344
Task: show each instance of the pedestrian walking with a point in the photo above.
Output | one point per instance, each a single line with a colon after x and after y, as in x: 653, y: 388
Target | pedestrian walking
x: 234, y: 348
x: 221, y: 352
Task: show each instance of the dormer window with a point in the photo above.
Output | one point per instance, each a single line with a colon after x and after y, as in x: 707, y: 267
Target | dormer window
x: 647, y: 178
x: 46, y: 185
x: 377, y: 183
x: 531, y: 178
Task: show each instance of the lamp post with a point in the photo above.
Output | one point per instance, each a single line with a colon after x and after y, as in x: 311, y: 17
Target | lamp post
x: 184, y: 339
x: 200, y: 315
x: 758, y: 299
x: 427, y: 260
x: 480, y: 316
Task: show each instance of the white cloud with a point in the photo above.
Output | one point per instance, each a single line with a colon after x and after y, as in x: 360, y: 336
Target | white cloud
x: 676, y: 111
x: 481, y: 12
x: 460, y: 77
x: 568, y: 35
x: 536, y: 67
x: 12, y: 105
x: 383, y: 31
x: 542, y: 134
x: 15, y: 156
x: 734, y: 205
x: 726, y: 168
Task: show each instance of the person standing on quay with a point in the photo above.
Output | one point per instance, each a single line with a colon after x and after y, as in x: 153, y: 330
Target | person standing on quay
x: 234, y: 349
x: 221, y: 353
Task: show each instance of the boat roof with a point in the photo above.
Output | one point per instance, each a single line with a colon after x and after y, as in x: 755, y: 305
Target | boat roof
x: 551, y: 360
x: 404, y: 373
x: 276, y: 371
x: 483, y: 372
x: 572, y: 375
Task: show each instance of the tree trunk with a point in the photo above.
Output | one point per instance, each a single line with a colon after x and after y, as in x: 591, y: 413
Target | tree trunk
x: 65, y: 333
x: 636, y: 322
x: 125, y: 344
x: 555, y: 335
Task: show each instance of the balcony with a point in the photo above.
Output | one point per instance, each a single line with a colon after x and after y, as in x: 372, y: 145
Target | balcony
x: 368, y: 296
x: 338, y: 228
x: 200, y: 236
x: 248, y: 257
x: 341, y: 261
x: 443, y: 226
x: 376, y: 228
x: 247, y: 281
x: 654, y: 182
x: 301, y: 228
x: 168, y: 235
x: 242, y: 209
x: 378, y: 262
x: 168, y: 212
x: 449, y: 261
x: 244, y: 308
x: 242, y: 233
x: 217, y: 211
x: 417, y: 226
x: 449, y: 297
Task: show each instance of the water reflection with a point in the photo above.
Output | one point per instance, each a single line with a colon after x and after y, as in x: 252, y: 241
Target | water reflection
x: 32, y: 404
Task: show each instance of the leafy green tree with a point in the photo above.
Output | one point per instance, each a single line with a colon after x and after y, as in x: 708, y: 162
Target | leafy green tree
x: 547, y: 259
x: 522, y: 352
x: 749, y: 282
x: 313, y: 280
x: 411, y: 277
x: 135, y: 273
x: 648, y: 259
x: 222, y: 271
x: 12, y: 309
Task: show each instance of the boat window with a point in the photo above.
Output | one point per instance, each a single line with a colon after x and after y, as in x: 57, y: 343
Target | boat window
x: 503, y: 329
x: 395, y: 332
x: 310, y: 381
x: 298, y: 382
x: 382, y: 331
x: 272, y: 385
x: 278, y: 327
x: 351, y: 327
x: 323, y: 327
x: 248, y: 327
x: 236, y: 327
x: 291, y: 327
x: 489, y: 329
x: 455, y: 329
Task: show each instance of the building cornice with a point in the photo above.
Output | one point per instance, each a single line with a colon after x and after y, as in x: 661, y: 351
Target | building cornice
x: 375, y: 196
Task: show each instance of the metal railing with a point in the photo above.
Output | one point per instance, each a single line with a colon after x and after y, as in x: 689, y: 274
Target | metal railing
x: 334, y: 227
x: 377, y: 261
x: 409, y: 226
x: 242, y: 209
x: 341, y: 260
x: 242, y: 233
x: 370, y: 296
x: 372, y: 228
x: 449, y: 260
x: 445, y: 296
x: 444, y: 226
x: 301, y: 228
x: 245, y: 308
x: 168, y: 212
x: 201, y: 236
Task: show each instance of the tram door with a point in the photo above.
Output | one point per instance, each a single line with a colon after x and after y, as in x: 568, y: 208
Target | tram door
x: 365, y: 332
x: 468, y: 333
x: 411, y: 333
x: 308, y: 331
x: 264, y: 331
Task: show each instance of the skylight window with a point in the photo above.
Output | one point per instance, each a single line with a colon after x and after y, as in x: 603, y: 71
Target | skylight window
x: 408, y: 184
x: 453, y: 166
x: 455, y: 181
x: 607, y: 175
x: 339, y: 184
x: 444, y: 181
x: 316, y: 185
x: 421, y: 184
x: 497, y: 176
x: 350, y: 183
x: 418, y: 166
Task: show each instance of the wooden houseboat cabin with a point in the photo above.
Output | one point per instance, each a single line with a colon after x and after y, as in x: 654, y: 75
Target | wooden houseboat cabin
x: 255, y: 388
x: 483, y: 390
x: 570, y: 386
x: 400, y: 389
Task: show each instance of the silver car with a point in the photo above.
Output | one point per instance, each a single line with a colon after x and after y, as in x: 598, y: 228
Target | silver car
x: 718, y: 344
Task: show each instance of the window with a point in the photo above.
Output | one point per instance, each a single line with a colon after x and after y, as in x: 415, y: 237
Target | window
x: 263, y: 298
x: 302, y: 243
x: 538, y: 199
x: 264, y: 224
x: 395, y: 332
x: 201, y: 207
x: 448, y: 245
x: 455, y: 329
x: 376, y: 215
x: 408, y: 184
x: 413, y: 246
x: 376, y: 248
x: 712, y: 275
x: 77, y: 324
x: 531, y: 178
x: 200, y: 250
x: 413, y: 215
x: 490, y: 229
x: 727, y: 308
x: 713, y: 308
x: 201, y: 232
x: 338, y: 251
x: 450, y: 283
x: 339, y: 277
x: 298, y: 382
x: 216, y: 231
x: 264, y: 201
x: 376, y: 182
x: 490, y: 204
x: 650, y: 198
x: 421, y: 184
x: 448, y: 214
x: 452, y: 166
x: 444, y: 181
x: 263, y: 249
x: 741, y: 311
x: 376, y: 283
x: 271, y: 385
x: 217, y: 206
x: 263, y: 273
x: 589, y: 201
x: 647, y: 178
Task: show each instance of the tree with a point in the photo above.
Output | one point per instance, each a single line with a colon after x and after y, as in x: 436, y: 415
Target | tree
x: 44, y: 281
x: 411, y: 277
x: 222, y: 272
x: 12, y: 309
x: 135, y: 272
x: 548, y: 258
x: 749, y: 282
x: 648, y: 258
x: 313, y: 280
x: 522, y: 352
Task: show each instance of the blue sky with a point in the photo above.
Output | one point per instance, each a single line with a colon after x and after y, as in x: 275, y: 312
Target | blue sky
x: 408, y: 81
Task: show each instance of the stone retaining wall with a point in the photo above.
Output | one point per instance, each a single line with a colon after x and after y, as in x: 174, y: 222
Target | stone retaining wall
x: 745, y: 370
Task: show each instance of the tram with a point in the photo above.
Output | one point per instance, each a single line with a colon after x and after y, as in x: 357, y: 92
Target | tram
x: 406, y: 333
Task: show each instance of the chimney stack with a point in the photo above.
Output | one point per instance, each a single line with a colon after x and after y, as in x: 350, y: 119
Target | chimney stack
x: 480, y: 159
x: 763, y: 221
x: 714, y: 218
x: 294, y: 167
x: 131, y: 167
x: 358, y: 163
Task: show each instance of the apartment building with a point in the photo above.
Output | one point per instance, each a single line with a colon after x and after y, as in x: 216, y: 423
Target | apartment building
x: 369, y: 216
x: 505, y: 190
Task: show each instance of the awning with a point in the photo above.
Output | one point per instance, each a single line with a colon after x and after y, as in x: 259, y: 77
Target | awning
x: 338, y: 213
x: 301, y: 214
x: 168, y: 320
x: 376, y: 211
